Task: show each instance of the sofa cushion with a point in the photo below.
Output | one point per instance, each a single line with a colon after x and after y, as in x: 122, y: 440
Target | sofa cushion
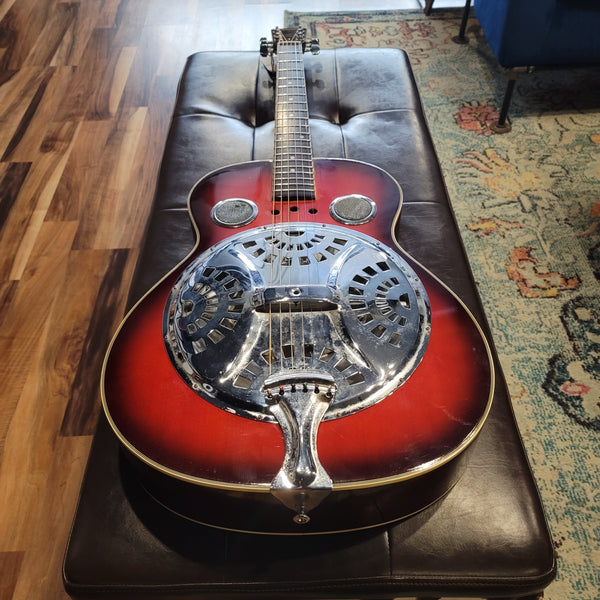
x: 541, y: 32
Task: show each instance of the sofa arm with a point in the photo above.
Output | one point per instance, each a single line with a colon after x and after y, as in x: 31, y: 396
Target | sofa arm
x: 541, y: 32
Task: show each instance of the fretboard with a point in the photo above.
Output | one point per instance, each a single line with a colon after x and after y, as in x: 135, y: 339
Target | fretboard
x: 293, y: 177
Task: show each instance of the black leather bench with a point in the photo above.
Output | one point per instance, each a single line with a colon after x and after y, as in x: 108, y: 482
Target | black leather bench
x: 487, y: 538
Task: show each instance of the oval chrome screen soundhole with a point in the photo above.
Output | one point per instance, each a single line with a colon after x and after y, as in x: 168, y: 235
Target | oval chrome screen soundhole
x: 234, y: 212
x: 353, y: 209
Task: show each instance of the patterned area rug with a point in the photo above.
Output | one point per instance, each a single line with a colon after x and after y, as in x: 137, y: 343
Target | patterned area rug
x: 528, y: 206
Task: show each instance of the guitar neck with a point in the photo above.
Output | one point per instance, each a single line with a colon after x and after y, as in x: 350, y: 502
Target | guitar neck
x: 293, y: 177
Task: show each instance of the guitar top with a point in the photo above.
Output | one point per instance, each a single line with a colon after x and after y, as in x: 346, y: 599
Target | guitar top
x: 298, y: 372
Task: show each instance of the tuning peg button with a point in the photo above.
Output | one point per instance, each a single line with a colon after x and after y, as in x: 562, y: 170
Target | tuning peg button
x: 264, y: 47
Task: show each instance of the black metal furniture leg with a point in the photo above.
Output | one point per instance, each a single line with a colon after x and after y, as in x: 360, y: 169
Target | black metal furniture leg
x: 503, y: 124
x: 428, y: 6
x: 460, y: 38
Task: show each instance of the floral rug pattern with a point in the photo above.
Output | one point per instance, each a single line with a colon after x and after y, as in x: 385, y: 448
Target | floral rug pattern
x: 528, y: 206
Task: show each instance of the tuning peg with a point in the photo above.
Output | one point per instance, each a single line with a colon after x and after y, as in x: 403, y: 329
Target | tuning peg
x: 314, y: 46
x: 264, y: 47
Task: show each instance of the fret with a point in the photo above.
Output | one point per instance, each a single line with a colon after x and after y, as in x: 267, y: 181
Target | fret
x: 296, y: 172
x: 285, y: 140
x: 298, y: 190
x: 293, y: 173
x: 284, y: 189
x: 291, y: 170
x: 294, y: 165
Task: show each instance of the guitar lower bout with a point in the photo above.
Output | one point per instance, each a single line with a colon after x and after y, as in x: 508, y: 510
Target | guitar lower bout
x: 298, y: 372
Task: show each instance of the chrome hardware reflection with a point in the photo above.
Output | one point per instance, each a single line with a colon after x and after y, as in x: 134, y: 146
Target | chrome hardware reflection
x: 234, y: 212
x: 302, y: 483
x: 353, y: 209
x: 291, y: 305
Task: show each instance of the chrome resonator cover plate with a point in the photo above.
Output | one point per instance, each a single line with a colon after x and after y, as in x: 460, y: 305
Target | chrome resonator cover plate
x: 296, y: 303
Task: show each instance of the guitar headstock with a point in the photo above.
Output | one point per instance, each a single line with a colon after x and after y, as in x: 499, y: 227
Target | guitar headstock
x: 291, y: 34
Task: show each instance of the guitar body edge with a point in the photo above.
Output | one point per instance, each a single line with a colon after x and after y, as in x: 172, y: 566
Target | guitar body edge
x: 387, y: 462
x: 259, y: 512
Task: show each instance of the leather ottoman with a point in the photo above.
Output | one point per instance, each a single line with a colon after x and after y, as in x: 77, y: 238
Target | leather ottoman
x: 486, y: 538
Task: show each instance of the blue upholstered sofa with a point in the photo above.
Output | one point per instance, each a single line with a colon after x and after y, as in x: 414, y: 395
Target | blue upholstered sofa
x: 524, y: 33
x: 538, y: 33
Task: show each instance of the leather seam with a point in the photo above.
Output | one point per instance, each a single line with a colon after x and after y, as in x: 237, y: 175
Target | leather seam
x: 388, y: 542
x: 254, y: 115
x: 337, y: 95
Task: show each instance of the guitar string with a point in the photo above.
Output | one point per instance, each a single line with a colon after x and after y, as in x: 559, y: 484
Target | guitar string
x: 305, y: 153
x: 284, y: 185
x: 293, y: 175
x: 301, y: 159
x: 270, y: 356
x: 278, y: 195
x: 291, y: 172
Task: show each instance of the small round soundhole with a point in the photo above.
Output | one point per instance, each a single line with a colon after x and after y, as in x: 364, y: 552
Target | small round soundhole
x: 234, y: 212
x: 353, y: 209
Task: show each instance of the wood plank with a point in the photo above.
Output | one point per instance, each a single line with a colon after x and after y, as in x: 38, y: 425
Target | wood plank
x: 15, y: 213
x: 140, y: 182
x: 59, y: 137
x: 34, y: 123
x: 81, y: 171
x: 84, y: 82
x: 5, y: 6
x: 48, y: 380
x: 45, y: 512
x: 109, y: 14
x: 5, y: 76
x: 21, y: 26
x: 30, y: 111
x: 28, y: 236
x: 8, y: 290
x: 159, y: 53
x: 12, y: 177
x: 112, y: 272
x: 41, y: 470
x: 29, y: 209
x: 26, y: 317
x: 106, y: 219
x: 39, y: 480
x: 129, y: 22
x: 47, y: 42
x: 107, y: 95
x: 10, y: 567
x: 16, y: 95
x: 75, y: 37
x: 145, y: 166
x: 7, y: 294
x: 42, y: 182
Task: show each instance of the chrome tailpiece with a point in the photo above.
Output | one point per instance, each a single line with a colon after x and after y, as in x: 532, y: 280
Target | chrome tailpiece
x: 302, y: 482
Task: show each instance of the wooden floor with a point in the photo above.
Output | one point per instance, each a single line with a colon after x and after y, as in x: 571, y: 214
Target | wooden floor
x: 86, y: 90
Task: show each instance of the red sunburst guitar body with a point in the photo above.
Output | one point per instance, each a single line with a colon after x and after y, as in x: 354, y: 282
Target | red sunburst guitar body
x: 377, y: 462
